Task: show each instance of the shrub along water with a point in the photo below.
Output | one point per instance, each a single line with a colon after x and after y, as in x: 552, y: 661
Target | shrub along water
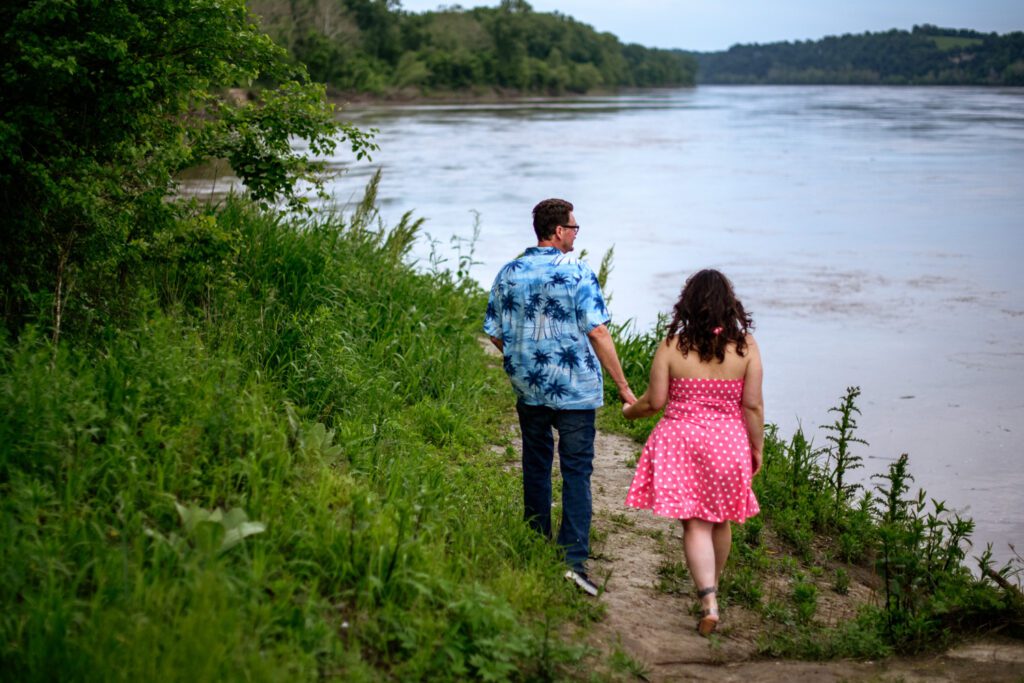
x: 276, y: 470
x: 927, y: 593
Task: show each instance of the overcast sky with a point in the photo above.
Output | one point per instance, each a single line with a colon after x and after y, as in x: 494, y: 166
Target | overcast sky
x: 717, y: 24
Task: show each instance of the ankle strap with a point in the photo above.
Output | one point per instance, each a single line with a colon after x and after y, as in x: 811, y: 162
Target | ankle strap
x: 703, y: 592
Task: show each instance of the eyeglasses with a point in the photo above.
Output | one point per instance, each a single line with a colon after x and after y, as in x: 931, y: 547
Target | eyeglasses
x: 571, y: 227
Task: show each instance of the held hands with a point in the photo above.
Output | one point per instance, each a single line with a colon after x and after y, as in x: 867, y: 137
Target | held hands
x: 628, y: 401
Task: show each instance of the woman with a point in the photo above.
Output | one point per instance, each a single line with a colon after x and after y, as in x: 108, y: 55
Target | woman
x: 699, y: 461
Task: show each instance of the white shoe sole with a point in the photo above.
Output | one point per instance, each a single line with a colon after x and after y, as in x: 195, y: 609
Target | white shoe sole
x: 581, y: 583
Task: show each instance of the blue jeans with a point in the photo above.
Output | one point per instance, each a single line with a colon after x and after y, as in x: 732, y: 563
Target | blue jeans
x: 576, y: 457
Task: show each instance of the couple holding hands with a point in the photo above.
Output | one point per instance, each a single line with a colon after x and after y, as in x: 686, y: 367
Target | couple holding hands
x: 547, y: 316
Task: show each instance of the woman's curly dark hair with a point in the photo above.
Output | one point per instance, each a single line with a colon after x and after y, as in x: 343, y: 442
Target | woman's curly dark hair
x: 708, y: 317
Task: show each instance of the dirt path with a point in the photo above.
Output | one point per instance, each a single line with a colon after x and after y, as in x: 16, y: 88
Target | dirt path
x: 648, y: 613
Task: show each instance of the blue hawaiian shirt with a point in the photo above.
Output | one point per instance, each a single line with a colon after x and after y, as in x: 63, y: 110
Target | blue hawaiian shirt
x: 542, y: 306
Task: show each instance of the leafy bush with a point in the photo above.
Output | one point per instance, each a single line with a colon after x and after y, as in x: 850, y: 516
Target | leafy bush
x: 100, y: 105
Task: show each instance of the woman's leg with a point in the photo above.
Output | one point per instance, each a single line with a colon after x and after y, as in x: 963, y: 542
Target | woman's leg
x: 699, y: 546
x: 700, y: 558
x: 721, y: 539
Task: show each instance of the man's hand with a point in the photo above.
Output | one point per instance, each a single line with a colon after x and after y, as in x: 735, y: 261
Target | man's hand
x: 626, y: 395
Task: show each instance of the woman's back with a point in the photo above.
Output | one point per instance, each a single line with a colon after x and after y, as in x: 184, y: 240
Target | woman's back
x: 690, y: 366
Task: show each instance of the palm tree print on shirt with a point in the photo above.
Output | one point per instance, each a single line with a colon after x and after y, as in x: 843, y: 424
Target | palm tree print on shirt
x: 535, y: 378
x: 509, y: 303
x: 568, y: 359
x: 557, y: 389
x: 554, y: 310
x: 559, y: 279
x: 510, y: 267
x: 532, y: 304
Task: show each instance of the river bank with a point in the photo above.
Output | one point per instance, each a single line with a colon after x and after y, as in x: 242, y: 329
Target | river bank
x: 771, y: 599
x: 479, y: 95
x: 649, y: 606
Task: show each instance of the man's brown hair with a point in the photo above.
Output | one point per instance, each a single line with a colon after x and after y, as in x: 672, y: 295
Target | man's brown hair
x: 548, y: 215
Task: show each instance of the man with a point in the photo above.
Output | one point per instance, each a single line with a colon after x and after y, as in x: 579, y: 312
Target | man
x: 547, y: 316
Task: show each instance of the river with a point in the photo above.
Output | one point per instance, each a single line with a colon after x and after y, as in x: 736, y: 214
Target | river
x: 875, y: 234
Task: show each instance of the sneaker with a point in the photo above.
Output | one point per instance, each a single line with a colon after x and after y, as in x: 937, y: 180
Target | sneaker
x: 582, y: 582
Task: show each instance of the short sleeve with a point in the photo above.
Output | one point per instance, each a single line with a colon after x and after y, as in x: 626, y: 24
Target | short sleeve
x: 492, y: 321
x: 591, y: 309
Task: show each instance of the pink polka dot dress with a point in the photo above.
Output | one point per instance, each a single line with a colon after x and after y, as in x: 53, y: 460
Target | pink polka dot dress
x: 697, y: 463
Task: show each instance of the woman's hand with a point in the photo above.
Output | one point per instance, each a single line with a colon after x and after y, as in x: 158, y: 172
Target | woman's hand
x: 756, y: 460
x: 626, y: 410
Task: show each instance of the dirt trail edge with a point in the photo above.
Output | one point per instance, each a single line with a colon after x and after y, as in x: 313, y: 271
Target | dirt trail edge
x: 637, y: 556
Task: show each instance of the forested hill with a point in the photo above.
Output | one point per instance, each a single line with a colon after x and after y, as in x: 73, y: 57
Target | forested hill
x: 374, y: 46
x: 927, y: 55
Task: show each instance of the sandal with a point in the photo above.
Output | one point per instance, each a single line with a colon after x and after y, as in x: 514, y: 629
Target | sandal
x: 708, y: 617
x: 708, y: 621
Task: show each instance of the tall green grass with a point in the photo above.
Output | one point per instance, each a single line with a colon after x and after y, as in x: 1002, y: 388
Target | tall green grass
x: 277, y: 471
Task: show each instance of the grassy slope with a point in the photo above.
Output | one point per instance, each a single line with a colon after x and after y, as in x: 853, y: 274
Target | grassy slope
x: 278, y: 472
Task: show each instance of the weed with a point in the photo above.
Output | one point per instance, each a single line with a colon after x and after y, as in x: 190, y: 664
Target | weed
x: 742, y: 585
x: 805, y: 599
x: 750, y: 531
x: 841, y: 581
x: 674, y: 578
x: 842, y: 459
x: 779, y: 612
x: 859, y: 638
x: 926, y: 585
x: 623, y: 662
x: 622, y: 519
x: 656, y: 534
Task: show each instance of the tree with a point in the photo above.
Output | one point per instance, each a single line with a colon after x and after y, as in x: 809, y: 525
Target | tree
x: 101, y: 103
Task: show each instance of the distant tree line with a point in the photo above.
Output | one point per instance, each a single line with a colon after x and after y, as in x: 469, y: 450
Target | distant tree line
x: 375, y: 46
x: 927, y: 55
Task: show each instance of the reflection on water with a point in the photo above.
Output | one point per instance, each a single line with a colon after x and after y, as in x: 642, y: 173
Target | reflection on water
x: 874, y: 232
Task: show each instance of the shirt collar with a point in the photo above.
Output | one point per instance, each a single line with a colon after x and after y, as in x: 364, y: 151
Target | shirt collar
x: 550, y: 251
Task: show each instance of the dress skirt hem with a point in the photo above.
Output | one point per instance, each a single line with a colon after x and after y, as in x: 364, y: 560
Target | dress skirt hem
x: 694, y: 510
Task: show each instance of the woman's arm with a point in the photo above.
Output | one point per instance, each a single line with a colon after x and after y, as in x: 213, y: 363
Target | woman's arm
x: 656, y: 395
x: 753, y: 403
